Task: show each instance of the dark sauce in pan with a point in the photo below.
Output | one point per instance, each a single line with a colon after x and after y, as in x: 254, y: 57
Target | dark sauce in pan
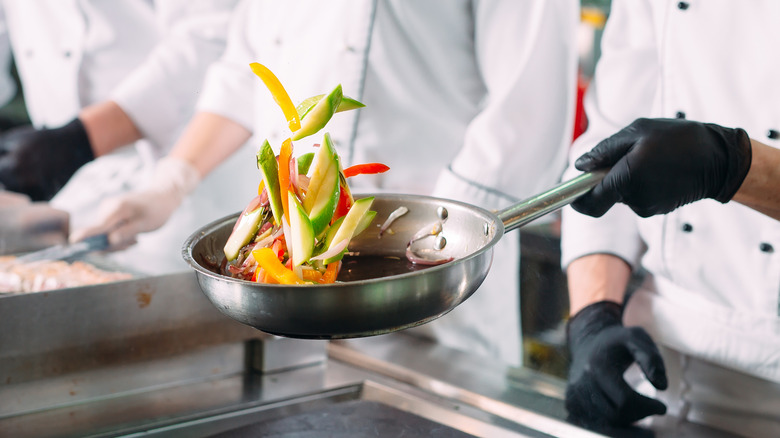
x: 356, y: 268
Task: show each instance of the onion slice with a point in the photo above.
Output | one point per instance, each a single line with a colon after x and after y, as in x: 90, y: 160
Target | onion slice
x: 432, y: 229
x: 419, y: 260
x: 332, y: 251
x: 398, y: 212
x: 268, y: 240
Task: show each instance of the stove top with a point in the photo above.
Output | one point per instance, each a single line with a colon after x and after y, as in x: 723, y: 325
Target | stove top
x: 357, y: 418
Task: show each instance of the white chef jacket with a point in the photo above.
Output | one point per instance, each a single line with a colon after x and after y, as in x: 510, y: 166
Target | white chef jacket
x: 714, y: 287
x: 470, y: 100
x: 7, y: 83
x: 149, y: 57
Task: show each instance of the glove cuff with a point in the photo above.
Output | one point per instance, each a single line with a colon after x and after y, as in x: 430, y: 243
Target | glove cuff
x: 77, y: 141
x: 592, y: 319
x: 739, y: 155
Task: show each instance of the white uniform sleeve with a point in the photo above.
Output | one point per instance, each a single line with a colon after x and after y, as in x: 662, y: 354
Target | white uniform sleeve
x: 516, y: 145
x: 229, y: 85
x: 160, y: 95
x: 623, y: 89
x: 7, y: 84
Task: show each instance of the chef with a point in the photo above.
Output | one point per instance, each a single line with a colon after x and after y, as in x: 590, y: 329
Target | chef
x: 7, y: 84
x: 108, y: 86
x: 700, y: 335
x: 469, y: 100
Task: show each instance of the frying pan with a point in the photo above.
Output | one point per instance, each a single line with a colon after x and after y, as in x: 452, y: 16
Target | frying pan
x: 380, y: 305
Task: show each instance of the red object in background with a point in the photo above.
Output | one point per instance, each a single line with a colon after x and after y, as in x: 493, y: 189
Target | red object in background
x: 580, y: 118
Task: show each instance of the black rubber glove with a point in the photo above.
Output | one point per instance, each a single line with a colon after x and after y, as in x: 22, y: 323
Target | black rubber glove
x: 38, y: 162
x: 659, y: 165
x: 601, y: 350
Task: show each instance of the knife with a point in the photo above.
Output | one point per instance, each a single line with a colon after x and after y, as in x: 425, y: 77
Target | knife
x: 60, y: 252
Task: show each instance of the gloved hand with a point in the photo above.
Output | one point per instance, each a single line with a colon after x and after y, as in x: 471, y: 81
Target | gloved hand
x: 659, y: 165
x: 123, y: 217
x: 38, y: 162
x: 601, y: 350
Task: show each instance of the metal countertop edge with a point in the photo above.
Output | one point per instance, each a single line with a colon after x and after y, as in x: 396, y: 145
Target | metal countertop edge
x: 350, y: 352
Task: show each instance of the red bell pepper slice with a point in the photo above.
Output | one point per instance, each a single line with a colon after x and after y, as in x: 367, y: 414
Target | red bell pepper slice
x: 284, y: 176
x: 365, y: 169
x: 343, y: 206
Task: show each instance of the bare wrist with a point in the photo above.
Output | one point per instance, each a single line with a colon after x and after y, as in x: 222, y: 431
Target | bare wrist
x: 596, y: 277
x: 108, y: 127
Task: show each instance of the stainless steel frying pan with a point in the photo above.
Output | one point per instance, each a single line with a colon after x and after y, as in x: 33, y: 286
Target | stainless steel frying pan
x: 377, y: 305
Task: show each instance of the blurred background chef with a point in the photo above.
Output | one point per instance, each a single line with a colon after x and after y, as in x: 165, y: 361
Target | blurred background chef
x: 8, y: 87
x: 99, y: 76
x: 469, y: 100
x: 703, y: 326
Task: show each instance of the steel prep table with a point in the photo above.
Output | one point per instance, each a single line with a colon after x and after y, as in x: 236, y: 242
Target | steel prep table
x: 152, y: 357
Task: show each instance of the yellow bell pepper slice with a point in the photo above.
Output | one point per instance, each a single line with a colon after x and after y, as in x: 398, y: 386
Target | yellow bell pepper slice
x: 279, y: 93
x: 267, y: 260
x: 311, y: 274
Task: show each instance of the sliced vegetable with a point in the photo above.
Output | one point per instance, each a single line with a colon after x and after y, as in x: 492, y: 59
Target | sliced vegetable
x: 331, y: 273
x: 319, y: 115
x: 304, y: 162
x: 311, y: 275
x: 266, y: 162
x: 345, y: 196
x: 365, y: 221
x: 418, y: 259
x: 332, y: 253
x: 244, y: 231
x: 344, y: 204
x: 301, y: 232
x: 285, y: 154
x: 332, y: 230
x: 365, y: 169
x: 259, y: 275
x: 323, y: 194
x: 398, y: 212
x: 350, y: 224
x: 415, y: 256
x: 347, y: 103
x: 267, y: 260
x: 279, y: 94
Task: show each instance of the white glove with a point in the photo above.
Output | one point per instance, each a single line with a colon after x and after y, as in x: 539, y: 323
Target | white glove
x: 123, y: 217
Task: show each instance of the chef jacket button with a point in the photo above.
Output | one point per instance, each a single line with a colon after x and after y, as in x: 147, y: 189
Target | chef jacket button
x: 683, y: 5
x: 687, y: 228
x: 28, y: 53
x: 773, y: 134
x: 766, y: 247
x: 680, y: 115
x: 66, y: 54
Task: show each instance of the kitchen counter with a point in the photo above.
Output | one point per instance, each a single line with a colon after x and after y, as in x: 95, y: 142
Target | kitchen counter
x: 102, y: 362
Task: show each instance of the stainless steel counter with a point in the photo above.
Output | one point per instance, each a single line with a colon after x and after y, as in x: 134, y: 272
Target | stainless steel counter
x: 152, y: 357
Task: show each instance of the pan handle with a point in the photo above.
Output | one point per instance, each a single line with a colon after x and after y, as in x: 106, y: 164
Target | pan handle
x: 539, y: 205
